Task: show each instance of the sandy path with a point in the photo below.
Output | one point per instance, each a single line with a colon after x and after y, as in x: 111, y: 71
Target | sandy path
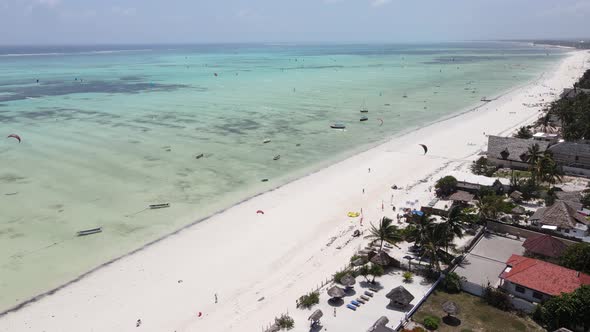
x: 242, y: 256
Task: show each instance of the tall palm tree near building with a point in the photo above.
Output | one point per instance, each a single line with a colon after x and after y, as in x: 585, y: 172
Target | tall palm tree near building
x: 385, y: 232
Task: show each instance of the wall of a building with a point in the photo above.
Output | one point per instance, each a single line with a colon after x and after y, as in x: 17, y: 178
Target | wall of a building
x: 508, y: 164
x: 527, y: 295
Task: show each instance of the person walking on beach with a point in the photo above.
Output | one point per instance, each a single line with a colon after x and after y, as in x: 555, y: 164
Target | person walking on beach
x: 215, y: 297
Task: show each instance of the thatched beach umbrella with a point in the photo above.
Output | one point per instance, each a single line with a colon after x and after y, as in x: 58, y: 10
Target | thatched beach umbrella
x: 381, y: 258
x: 336, y: 292
x: 348, y: 280
x: 315, y: 317
x: 451, y: 308
x: 399, y: 297
x: 382, y: 321
x: 273, y: 328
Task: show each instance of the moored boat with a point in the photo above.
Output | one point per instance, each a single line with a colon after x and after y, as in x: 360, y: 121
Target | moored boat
x: 364, y: 118
x: 337, y: 126
x: 159, y: 206
x: 89, y: 231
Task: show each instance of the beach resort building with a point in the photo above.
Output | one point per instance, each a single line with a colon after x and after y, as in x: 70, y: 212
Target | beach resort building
x: 562, y: 217
x: 510, y: 152
x: 574, y: 157
x: 535, y: 280
x: 471, y: 183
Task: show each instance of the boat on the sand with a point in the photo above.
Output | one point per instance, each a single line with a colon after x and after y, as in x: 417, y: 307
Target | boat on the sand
x: 89, y: 231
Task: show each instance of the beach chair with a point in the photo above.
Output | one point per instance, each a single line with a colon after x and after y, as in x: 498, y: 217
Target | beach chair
x: 355, y: 303
x: 351, y: 307
x: 365, y: 297
x: 373, y: 289
x: 368, y: 293
x: 359, y: 300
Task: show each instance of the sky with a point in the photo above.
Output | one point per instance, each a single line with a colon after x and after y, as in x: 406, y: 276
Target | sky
x: 222, y: 21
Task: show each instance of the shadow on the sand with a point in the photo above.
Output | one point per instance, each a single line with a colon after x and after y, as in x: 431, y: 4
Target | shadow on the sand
x: 400, y: 309
x: 350, y: 292
x: 336, y: 302
x: 451, y: 321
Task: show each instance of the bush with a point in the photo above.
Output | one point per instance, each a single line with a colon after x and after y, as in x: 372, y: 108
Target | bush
x: 431, y: 322
x: 524, y: 132
x: 309, y: 300
x: 577, y: 257
x: 586, y: 198
x: 285, y: 322
x: 408, y: 276
x: 452, y: 282
x: 446, y: 186
x: 482, y: 166
x: 497, y: 298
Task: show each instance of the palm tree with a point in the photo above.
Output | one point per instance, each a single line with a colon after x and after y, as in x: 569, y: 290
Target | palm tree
x: 454, y: 225
x: 386, y: 232
x: 435, y: 238
x: 548, y: 169
x: 532, y: 157
x: 419, y: 226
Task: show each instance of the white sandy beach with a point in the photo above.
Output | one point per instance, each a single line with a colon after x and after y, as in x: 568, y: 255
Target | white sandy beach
x: 258, y: 265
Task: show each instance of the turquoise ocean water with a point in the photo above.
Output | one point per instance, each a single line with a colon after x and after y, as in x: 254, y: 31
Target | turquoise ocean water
x: 108, y: 130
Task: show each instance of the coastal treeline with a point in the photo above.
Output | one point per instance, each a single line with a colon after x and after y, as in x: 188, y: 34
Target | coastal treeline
x: 573, y: 111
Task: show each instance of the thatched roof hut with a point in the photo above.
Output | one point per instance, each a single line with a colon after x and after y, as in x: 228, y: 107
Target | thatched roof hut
x: 462, y: 197
x: 316, y: 316
x: 381, y: 258
x: 399, y: 297
x: 518, y: 210
x: 451, y: 308
x: 561, y: 214
x: 516, y: 196
x: 381, y: 321
x: 348, y: 280
x: 336, y: 292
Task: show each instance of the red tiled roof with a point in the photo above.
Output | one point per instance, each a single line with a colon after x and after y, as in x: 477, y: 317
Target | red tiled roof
x: 545, y: 245
x: 542, y: 276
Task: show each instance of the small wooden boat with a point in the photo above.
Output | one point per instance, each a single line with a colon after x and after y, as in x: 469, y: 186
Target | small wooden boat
x: 266, y: 141
x: 364, y: 118
x: 277, y: 157
x: 485, y: 99
x: 264, y: 180
x: 89, y: 231
x: 200, y: 156
x: 338, y: 126
x: 364, y: 108
x: 159, y: 206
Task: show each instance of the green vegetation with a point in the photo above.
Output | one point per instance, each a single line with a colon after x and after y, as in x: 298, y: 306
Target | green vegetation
x: 497, y: 298
x: 524, y: 132
x: 490, y: 206
x: 436, y: 238
x: 483, y: 167
x: 577, y: 257
x: 574, y: 114
x: 408, y: 276
x: 475, y: 315
x: 446, y: 186
x: 338, y: 275
x: 385, y: 232
x: 285, y: 322
x: 370, y: 270
x: 431, y: 322
x: 452, y: 283
x: 584, y: 81
x: 309, y: 300
x: 566, y: 310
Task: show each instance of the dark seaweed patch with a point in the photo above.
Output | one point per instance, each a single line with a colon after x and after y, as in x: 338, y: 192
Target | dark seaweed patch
x: 239, y: 126
x: 60, y: 88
